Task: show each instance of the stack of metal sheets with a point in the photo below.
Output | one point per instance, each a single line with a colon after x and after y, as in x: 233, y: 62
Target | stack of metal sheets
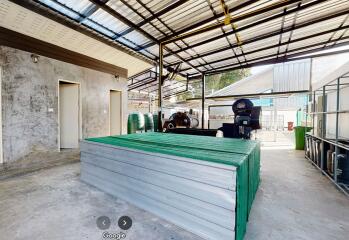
x: 205, y: 185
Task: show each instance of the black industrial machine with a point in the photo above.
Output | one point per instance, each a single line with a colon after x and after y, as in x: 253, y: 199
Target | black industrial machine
x: 246, y: 120
x: 186, y: 123
x: 181, y: 120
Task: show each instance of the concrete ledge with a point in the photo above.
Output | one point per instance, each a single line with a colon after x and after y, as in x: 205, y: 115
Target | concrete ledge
x: 37, y: 161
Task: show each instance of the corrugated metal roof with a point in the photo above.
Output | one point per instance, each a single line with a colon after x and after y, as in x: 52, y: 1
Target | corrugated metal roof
x: 142, y: 24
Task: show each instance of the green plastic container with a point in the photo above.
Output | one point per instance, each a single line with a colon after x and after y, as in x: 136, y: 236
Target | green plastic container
x: 300, y: 136
x: 135, y: 122
x: 149, y: 122
x: 155, y: 121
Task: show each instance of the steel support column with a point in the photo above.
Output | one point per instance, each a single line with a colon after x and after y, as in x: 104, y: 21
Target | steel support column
x: 203, y: 81
x: 161, y: 66
x: 323, y: 128
x: 335, y: 172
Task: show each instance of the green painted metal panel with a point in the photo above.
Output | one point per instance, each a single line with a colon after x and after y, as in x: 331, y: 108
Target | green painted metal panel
x: 243, y: 154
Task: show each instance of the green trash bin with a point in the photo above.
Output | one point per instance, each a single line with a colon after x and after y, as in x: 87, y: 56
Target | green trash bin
x: 300, y: 136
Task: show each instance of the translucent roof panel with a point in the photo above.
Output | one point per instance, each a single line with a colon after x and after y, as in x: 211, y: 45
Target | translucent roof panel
x: 264, y: 30
x: 123, y: 7
x: 62, y: 8
x: 108, y: 21
x: 79, y: 6
x: 98, y: 28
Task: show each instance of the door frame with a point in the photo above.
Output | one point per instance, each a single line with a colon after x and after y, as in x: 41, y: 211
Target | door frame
x: 59, y: 110
x: 121, y: 110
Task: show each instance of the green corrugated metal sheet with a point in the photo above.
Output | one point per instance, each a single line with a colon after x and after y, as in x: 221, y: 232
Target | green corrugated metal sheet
x: 243, y: 154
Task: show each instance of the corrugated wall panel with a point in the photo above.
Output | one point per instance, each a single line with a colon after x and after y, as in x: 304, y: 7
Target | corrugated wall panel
x: 292, y: 76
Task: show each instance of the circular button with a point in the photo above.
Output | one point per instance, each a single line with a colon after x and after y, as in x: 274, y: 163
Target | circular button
x: 125, y: 222
x: 103, y: 222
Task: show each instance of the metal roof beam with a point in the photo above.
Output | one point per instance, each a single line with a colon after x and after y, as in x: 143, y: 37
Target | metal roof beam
x: 156, y: 15
x: 292, y: 28
x: 91, y: 10
x: 133, y: 25
x: 155, y: 85
x: 150, y: 86
x: 262, y: 37
x: 142, y: 84
x: 242, y: 5
x: 223, y: 31
x: 139, y: 14
x: 123, y: 19
x: 342, y: 24
x: 162, y: 22
x: 293, y: 57
x: 295, y: 50
x: 276, y: 33
x: 280, y: 44
x: 253, y: 95
x: 171, y: 89
x: 174, y: 94
x: 146, y: 87
x: 281, y: 32
x: 188, y: 31
x: 148, y: 77
x: 141, y: 73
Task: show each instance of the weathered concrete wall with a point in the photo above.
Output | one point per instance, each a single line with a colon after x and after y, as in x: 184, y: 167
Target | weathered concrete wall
x: 30, y: 89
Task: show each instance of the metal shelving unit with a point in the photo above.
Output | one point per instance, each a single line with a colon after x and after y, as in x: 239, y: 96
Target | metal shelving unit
x: 322, y: 140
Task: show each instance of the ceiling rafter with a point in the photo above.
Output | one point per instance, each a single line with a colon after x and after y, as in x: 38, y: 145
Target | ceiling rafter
x: 334, y: 33
x: 281, y: 32
x: 133, y: 25
x: 254, y: 24
x: 223, y: 31
x: 208, y: 20
x: 123, y: 19
x: 275, y: 33
x: 292, y: 28
x: 282, y: 44
x: 156, y: 15
x: 163, y: 23
x: 187, y: 32
x: 231, y: 67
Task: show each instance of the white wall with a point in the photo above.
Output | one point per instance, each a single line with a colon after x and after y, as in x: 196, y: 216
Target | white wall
x: 323, y: 66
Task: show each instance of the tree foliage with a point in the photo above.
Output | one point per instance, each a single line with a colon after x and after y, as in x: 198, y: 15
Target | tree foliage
x: 215, y: 83
x: 219, y: 81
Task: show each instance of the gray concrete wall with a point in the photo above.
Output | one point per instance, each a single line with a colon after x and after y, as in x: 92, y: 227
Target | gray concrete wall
x: 30, y: 89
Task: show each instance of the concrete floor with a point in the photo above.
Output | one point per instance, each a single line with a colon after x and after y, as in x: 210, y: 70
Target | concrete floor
x: 294, y: 202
